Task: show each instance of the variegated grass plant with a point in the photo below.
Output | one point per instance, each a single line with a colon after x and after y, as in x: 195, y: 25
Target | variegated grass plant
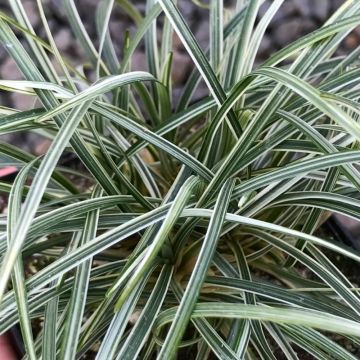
x: 194, y: 236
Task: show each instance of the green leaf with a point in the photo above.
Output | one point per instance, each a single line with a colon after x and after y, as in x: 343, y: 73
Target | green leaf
x: 153, y: 249
x: 197, y: 278
x: 309, y: 318
x: 18, y: 277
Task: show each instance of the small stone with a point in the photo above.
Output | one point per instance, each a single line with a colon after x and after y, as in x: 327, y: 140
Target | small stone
x: 265, y: 46
x: 177, y: 43
x: 187, y: 9
x: 32, y: 12
x: 352, y: 226
x: 141, y: 7
x: 9, y: 70
x: 357, y: 32
x: 41, y: 146
x: 55, y: 7
x: 138, y: 61
x: 63, y: 39
x: 264, y: 8
x: 134, y: 317
x: 36, y: 144
x: 3, y: 53
x: 336, y: 4
x: 202, y: 33
x: 304, y: 7
x: 84, y: 6
x: 117, y: 32
x: 352, y: 41
x: 292, y: 29
x: 180, y: 67
x: 321, y: 9
x: 22, y: 101
x: 287, y: 10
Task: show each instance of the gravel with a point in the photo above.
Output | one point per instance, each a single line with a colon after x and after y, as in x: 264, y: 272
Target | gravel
x: 295, y: 18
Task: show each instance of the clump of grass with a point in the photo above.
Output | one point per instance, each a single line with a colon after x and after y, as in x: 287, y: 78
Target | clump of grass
x: 198, y: 221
